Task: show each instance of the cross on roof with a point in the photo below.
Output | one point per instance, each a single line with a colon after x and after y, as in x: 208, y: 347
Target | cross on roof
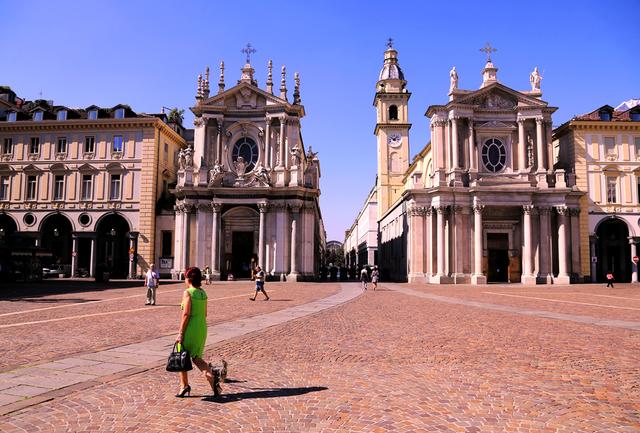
x: 488, y: 49
x: 248, y: 50
x: 389, y: 43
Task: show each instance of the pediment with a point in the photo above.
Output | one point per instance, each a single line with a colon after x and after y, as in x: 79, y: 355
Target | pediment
x: 87, y: 168
x: 243, y: 96
x: 495, y: 124
x: 499, y: 97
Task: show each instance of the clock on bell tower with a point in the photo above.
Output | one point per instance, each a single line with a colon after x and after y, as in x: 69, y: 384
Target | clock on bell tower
x: 392, y: 130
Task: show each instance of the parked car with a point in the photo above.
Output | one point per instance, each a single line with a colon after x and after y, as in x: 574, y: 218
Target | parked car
x: 53, y: 272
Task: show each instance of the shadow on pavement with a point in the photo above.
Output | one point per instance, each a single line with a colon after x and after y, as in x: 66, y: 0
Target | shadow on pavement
x: 270, y: 393
x: 19, y: 291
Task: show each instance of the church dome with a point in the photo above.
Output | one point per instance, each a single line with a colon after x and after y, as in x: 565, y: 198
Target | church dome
x: 391, y: 69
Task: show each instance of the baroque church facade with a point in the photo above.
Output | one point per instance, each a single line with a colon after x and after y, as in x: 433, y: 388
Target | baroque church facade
x: 484, y: 200
x: 248, y: 189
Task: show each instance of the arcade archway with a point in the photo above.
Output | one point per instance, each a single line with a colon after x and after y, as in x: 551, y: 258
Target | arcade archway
x: 8, y: 228
x: 613, y: 250
x: 56, y: 233
x: 113, y: 245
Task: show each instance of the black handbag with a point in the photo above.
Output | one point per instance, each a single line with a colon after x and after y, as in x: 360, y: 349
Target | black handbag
x: 179, y: 360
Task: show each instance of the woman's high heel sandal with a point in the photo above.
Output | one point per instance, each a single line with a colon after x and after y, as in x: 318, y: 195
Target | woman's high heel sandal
x: 185, y: 391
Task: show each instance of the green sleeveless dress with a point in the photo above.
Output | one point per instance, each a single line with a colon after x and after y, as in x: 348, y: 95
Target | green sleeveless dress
x: 196, y: 333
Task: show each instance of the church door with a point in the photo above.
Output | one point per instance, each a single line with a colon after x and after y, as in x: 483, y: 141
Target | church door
x: 498, y: 246
x: 242, y: 253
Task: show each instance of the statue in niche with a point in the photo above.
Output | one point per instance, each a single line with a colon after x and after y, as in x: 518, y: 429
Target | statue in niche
x: 295, y: 156
x: 453, y: 76
x: 535, y: 79
x: 240, y: 166
x: 188, y: 157
x: 181, y: 159
x: 529, y: 151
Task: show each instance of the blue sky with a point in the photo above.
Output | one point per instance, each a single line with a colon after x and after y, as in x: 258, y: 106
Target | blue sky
x: 148, y: 55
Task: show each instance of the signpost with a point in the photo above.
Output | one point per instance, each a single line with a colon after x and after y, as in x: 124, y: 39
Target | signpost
x: 635, y: 259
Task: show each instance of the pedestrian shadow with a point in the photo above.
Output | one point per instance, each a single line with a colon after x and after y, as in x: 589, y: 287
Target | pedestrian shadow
x: 280, y: 300
x: 234, y: 381
x: 269, y: 393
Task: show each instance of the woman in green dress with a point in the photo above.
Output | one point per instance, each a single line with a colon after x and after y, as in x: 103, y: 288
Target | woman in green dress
x: 193, y: 329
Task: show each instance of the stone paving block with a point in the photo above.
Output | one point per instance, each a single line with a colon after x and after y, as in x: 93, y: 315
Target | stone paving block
x: 101, y: 369
x: 8, y: 399
x: 67, y: 363
x: 25, y: 390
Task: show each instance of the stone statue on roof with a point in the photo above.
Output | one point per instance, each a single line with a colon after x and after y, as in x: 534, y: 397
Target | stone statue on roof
x: 453, y: 76
x: 535, y: 79
x: 181, y: 159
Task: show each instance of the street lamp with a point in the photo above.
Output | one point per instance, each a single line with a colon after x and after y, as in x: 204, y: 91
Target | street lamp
x: 56, y: 232
x: 113, y: 232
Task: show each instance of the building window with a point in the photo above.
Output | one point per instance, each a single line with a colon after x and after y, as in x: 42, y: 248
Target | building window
x: 93, y: 114
x: 32, y: 187
x: 114, y: 191
x: 34, y: 145
x: 605, y: 115
x: 167, y: 243
x: 89, y: 144
x: 87, y: 187
x: 612, y: 184
x: 58, y: 187
x: 248, y: 150
x: 393, y: 112
x: 610, y: 145
x: 119, y: 113
x: 37, y: 116
x: 62, y: 115
x: 494, y: 155
x: 635, y: 116
x: 4, y: 187
x: 117, y: 143
x: 62, y: 145
x: 637, y: 145
x: 7, y: 146
x: 12, y: 116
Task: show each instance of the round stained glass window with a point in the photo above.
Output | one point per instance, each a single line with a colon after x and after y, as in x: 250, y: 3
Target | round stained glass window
x: 248, y: 150
x: 494, y: 155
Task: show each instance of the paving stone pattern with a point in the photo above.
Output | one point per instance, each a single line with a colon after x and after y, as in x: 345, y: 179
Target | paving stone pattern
x: 384, y: 362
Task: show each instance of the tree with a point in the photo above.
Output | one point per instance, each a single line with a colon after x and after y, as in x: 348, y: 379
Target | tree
x: 175, y: 116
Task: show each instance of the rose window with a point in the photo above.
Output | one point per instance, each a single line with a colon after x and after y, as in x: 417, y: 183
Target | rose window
x: 494, y: 155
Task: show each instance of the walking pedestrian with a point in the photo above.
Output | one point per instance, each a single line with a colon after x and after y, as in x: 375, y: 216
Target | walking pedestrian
x: 364, y: 277
x: 193, y: 330
x: 259, y: 276
x: 207, y: 275
x: 375, y: 275
x: 151, y: 281
x: 610, y: 280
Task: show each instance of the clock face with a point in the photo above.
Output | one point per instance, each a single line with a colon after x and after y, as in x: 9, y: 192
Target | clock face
x: 394, y: 139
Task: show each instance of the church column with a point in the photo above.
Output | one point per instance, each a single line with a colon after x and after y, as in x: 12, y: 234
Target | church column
x: 634, y: 266
x: 219, y: 143
x: 293, y: 275
x: 416, y: 249
x: 563, y: 276
x: 540, y: 144
x: 545, y: 244
x: 527, y: 259
x: 477, y: 277
x: 281, y: 161
x: 74, y: 255
x: 428, y: 268
x: 455, y: 163
x: 263, y: 207
x: 201, y: 239
x: 458, y: 255
x: 440, y: 209
x: 267, y: 146
x: 92, y: 259
x: 215, y: 240
x: 522, y: 146
x: 549, y: 131
x: 178, y: 263
x: 472, y: 147
x: 575, y: 243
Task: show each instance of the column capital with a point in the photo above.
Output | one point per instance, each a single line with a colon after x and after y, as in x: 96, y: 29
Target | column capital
x: 544, y: 210
x: 428, y: 210
x: 216, y: 207
x: 478, y: 208
x: 441, y: 209
x: 539, y: 120
x: 263, y: 207
x: 528, y: 209
x: 438, y: 122
x: 416, y: 210
x: 294, y: 207
x: 521, y: 121
x: 562, y: 210
x: 574, y: 211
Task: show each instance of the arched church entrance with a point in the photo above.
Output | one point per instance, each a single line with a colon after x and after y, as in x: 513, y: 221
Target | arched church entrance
x: 498, y: 252
x: 8, y: 227
x: 614, y: 253
x: 241, y: 226
x: 56, y: 239
x: 113, y: 245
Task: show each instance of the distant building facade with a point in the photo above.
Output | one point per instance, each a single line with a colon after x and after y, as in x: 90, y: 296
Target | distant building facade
x: 79, y: 188
x: 603, y: 147
x: 248, y: 191
x: 361, y: 240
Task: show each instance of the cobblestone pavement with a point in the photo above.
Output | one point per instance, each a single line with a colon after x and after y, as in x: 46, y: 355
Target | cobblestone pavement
x: 387, y: 362
x: 37, y: 327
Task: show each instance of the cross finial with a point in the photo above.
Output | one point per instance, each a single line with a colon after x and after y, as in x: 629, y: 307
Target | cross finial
x: 389, y: 43
x: 488, y: 49
x: 248, y: 50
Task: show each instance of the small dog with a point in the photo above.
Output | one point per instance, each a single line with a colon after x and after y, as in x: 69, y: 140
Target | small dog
x: 219, y: 373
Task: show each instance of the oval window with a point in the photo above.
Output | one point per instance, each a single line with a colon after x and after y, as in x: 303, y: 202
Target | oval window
x: 248, y: 150
x: 494, y: 155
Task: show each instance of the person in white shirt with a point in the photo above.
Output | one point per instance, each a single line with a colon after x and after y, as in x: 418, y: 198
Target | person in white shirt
x: 151, y: 280
x: 259, y: 276
x: 364, y: 277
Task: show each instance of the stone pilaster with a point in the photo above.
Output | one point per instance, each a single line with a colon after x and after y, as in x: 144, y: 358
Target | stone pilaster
x: 478, y: 277
x: 563, y: 276
x: 545, y: 245
x: 417, y: 244
x: 527, y: 258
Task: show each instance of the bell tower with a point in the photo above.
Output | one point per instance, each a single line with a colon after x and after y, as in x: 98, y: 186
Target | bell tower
x: 392, y: 130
